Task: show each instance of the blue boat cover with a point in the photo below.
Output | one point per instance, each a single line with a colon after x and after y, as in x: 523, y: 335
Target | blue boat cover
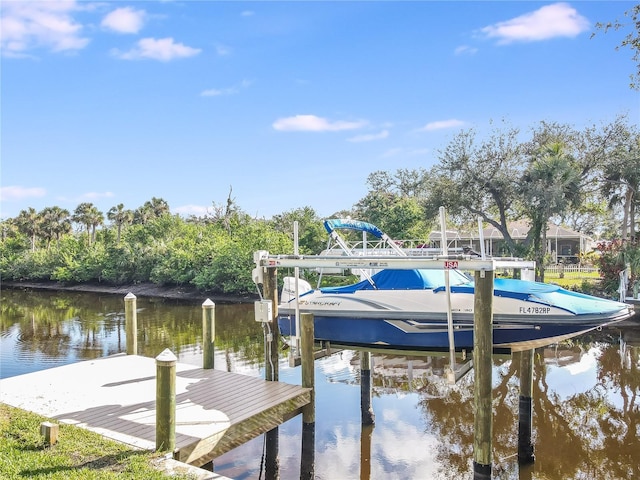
x: 348, y: 224
x: 535, y: 292
x: 390, y: 279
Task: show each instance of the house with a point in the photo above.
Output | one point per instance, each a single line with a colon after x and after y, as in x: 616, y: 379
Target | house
x: 563, y: 244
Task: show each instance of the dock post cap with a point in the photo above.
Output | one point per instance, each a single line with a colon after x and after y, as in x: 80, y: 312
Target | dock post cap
x: 208, y: 303
x: 129, y: 296
x: 166, y: 357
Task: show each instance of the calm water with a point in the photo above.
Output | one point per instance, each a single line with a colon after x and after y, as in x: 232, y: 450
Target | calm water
x: 586, y: 395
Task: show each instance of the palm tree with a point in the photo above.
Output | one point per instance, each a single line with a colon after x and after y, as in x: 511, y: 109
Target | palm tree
x: 55, y: 223
x: 159, y: 206
x: 28, y: 223
x: 551, y: 186
x: 154, y: 208
x: 120, y: 217
x: 621, y: 183
x: 90, y: 217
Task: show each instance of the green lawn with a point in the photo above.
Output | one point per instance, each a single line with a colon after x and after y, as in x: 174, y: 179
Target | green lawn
x: 78, y: 454
x: 572, y: 280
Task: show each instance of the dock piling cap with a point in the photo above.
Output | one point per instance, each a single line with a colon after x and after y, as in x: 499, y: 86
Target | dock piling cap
x: 166, y: 357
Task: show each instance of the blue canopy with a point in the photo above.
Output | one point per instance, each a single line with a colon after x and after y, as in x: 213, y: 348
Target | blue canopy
x: 348, y: 224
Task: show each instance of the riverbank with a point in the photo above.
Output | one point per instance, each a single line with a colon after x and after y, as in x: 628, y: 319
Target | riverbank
x: 139, y: 290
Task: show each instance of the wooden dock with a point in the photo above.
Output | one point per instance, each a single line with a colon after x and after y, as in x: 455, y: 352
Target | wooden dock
x: 115, y: 396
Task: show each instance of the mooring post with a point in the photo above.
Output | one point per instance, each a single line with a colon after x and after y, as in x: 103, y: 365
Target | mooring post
x: 208, y: 333
x: 525, y: 411
x: 307, y: 461
x: 166, y: 401
x: 366, y: 407
x: 131, y: 323
x: 482, y: 366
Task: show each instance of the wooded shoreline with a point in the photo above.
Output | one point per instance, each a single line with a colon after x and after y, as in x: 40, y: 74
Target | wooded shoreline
x: 175, y: 292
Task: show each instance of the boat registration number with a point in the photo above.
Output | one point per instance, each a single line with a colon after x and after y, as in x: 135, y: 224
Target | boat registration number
x: 534, y: 310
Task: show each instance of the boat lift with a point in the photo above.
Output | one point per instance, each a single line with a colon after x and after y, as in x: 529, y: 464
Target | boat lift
x: 447, y: 262
x: 398, y: 260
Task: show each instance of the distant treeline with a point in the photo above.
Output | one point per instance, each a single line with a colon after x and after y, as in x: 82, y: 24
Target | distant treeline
x: 588, y: 180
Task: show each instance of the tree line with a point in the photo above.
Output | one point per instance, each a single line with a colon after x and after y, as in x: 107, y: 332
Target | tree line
x: 585, y: 179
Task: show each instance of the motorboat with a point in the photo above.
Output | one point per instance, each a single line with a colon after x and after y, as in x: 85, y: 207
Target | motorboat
x: 429, y: 308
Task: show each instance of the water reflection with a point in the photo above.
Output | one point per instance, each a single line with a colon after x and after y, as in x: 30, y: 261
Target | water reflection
x: 586, y: 410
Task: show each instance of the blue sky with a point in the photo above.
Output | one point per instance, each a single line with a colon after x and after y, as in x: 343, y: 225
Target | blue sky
x: 288, y: 104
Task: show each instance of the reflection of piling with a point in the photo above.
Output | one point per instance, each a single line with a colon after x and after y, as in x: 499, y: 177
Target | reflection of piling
x: 271, y: 342
x: 525, y: 412
x: 208, y: 333
x: 166, y: 401
x: 365, y: 451
x: 307, y: 461
x: 482, y: 363
x: 366, y: 408
x: 131, y: 323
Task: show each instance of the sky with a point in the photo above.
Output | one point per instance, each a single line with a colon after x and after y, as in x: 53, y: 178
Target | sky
x: 281, y: 105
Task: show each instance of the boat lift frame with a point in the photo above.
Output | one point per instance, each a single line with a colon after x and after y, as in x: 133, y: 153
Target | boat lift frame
x: 265, y: 260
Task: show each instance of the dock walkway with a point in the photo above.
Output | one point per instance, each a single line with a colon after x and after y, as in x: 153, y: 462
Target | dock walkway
x: 216, y: 411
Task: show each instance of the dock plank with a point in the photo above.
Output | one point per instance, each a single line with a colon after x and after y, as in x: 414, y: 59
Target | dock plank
x: 115, y: 396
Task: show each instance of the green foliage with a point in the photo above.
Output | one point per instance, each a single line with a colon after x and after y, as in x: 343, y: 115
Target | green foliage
x: 312, y: 237
x: 614, y: 257
x: 28, y: 265
x: 230, y: 269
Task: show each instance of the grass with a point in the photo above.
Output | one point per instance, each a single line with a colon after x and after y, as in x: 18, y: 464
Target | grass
x: 78, y: 454
x: 573, y: 281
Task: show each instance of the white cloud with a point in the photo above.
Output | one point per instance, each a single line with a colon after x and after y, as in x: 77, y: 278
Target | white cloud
x: 465, y: 50
x: 441, y: 125
x: 407, y: 152
x: 550, y: 21
x: 312, y: 123
x: 215, y: 92
x: 223, y: 50
x: 28, y: 25
x: 124, y: 20
x: 369, y: 137
x: 196, y: 210
x: 16, y: 192
x: 95, y: 195
x: 163, y: 49
x: 392, y: 152
x: 85, y: 197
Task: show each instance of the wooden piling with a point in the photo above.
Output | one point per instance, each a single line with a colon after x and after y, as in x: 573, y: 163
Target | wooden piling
x: 131, y: 323
x: 366, y: 395
x: 272, y: 336
x: 208, y: 333
x: 307, y: 460
x: 525, y: 411
x: 308, y: 364
x: 482, y: 365
x: 166, y: 401
x: 271, y: 349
